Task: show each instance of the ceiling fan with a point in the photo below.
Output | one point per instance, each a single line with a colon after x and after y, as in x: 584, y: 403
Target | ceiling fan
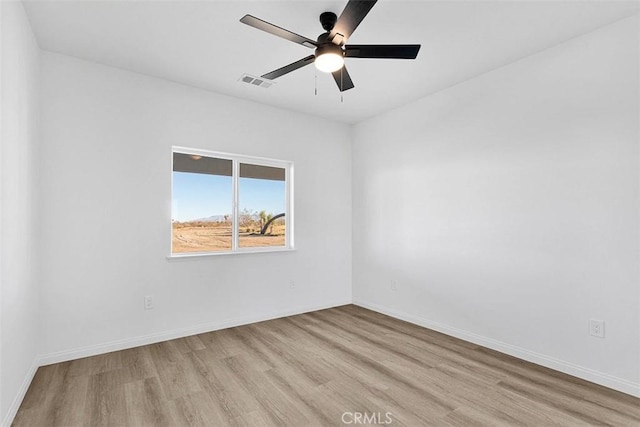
x: 330, y: 47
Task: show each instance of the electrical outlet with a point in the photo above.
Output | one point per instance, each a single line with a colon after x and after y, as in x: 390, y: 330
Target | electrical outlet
x: 596, y: 328
x: 394, y: 285
x: 148, y: 302
x: 292, y: 284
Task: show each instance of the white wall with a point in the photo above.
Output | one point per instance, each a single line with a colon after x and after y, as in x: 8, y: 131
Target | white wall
x: 507, y: 207
x: 18, y: 209
x: 107, y: 137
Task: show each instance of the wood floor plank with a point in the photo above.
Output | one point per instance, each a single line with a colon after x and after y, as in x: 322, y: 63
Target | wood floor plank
x: 176, y: 374
x: 465, y: 416
x: 146, y: 404
x: 139, y: 363
x: 225, y: 385
x: 220, y: 385
x: 312, y: 370
x: 106, y: 403
x: 570, y: 405
x: 96, y: 364
x: 358, y: 355
x: 280, y: 409
x: 70, y: 403
x: 307, y: 358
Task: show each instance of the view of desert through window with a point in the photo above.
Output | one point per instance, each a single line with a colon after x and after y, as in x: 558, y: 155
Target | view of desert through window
x: 202, y: 218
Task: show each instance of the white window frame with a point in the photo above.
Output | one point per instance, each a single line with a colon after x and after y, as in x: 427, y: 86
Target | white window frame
x: 237, y: 159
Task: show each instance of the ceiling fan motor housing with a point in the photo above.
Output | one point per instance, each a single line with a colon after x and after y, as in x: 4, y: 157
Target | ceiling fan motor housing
x: 328, y: 47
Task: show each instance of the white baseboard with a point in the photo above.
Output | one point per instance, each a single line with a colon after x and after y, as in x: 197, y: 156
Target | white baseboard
x: 597, y: 377
x: 17, y: 401
x: 93, y: 350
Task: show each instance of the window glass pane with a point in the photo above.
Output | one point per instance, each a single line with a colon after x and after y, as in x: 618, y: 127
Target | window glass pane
x: 262, y: 200
x: 202, y: 204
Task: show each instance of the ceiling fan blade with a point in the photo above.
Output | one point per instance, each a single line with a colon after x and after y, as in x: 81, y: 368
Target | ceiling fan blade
x: 289, y: 68
x: 343, y: 79
x: 390, y: 51
x: 277, y: 31
x: 353, y: 13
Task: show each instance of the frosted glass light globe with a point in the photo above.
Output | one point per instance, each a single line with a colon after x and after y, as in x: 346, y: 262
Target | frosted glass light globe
x: 329, y: 62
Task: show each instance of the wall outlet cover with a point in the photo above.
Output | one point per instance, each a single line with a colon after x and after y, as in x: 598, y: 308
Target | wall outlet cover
x: 148, y: 302
x: 596, y: 328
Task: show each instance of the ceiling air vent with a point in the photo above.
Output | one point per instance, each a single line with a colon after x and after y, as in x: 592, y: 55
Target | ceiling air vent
x: 256, y: 81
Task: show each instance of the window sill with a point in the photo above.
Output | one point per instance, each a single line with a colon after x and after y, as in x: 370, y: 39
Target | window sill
x: 192, y: 255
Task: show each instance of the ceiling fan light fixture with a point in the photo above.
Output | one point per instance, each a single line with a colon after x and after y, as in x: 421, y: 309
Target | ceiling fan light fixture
x: 329, y: 58
x: 331, y: 48
x: 329, y: 62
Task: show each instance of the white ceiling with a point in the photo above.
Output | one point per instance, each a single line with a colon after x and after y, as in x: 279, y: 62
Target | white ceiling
x: 203, y: 44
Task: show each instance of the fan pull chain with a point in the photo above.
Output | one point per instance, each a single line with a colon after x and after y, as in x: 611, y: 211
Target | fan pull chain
x: 316, y: 83
x: 341, y: 84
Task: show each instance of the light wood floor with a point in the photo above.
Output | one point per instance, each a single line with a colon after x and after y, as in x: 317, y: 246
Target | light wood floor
x: 309, y: 370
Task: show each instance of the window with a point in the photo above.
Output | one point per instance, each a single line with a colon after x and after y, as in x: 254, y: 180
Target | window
x: 223, y: 203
